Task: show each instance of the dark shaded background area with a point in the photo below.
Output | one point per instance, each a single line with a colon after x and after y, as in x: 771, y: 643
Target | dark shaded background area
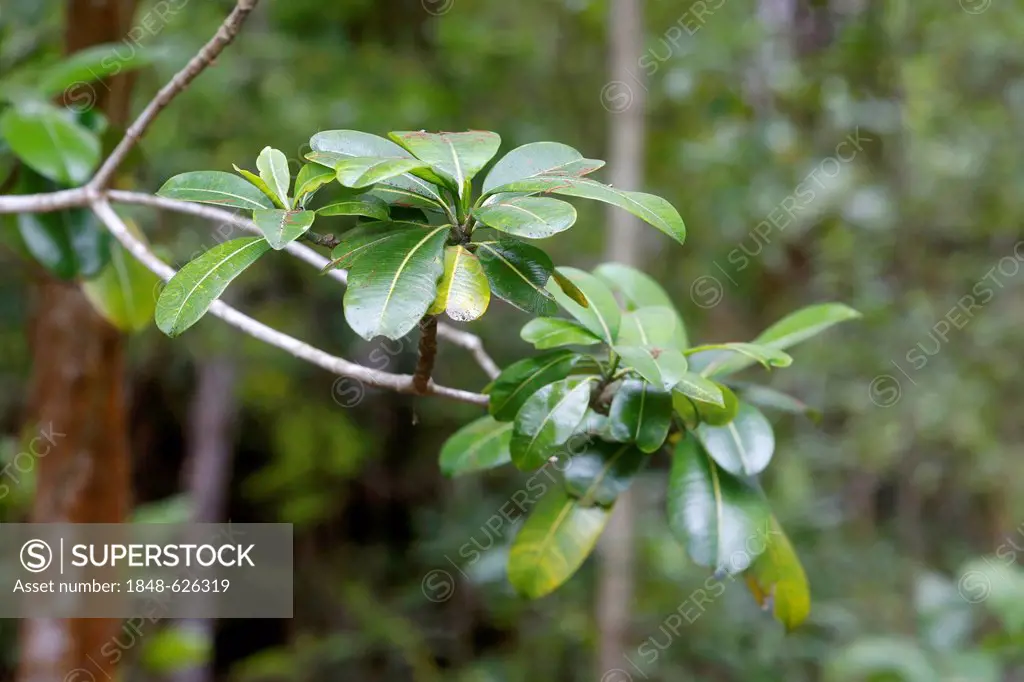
x: 852, y: 150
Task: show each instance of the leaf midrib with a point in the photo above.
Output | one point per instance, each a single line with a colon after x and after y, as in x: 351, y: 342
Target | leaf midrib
x: 206, y: 275
x: 401, y: 268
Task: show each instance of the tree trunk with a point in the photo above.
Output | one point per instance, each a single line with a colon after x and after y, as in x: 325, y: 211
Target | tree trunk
x: 78, y: 390
x: 208, y: 473
x: 616, y: 551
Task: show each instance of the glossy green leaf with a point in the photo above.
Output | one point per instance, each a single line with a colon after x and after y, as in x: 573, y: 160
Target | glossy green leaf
x: 787, y: 332
x: 649, y: 208
x: 364, y: 205
x: 518, y: 274
x: 195, y: 287
x: 742, y: 447
x: 570, y: 289
x: 123, y: 291
x: 555, y: 540
x: 778, y: 581
x: 363, y: 171
x: 547, y: 419
x: 650, y: 326
x: 70, y: 243
x: 718, y: 415
x: 273, y: 167
x: 602, y: 315
x: 310, y: 178
x: 215, y: 187
x: 701, y: 390
x: 72, y: 74
x: 260, y: 184
x: 352, y: 143
x: 640, y: 290
x: 482, y: 444
x: 552, y: 332
x: 723, y: 521
x: 282, y: 227
x: 640, y: 413
x: 602, y: 472
x: 463, y: 291
x: 50, y: 142
x: 530, y: 217
x: 539, y: 158
x: 766, y: 355
x: 523, y: 378
x: 454, y: 156
x: 389, y: 291
x: 663, y: 367
x: 363, y: 238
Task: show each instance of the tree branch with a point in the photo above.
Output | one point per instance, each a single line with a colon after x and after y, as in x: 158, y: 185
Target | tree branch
x: 94, y: 194
x: 402, y: 383
x: 428, y: 353
x: 225, y: 34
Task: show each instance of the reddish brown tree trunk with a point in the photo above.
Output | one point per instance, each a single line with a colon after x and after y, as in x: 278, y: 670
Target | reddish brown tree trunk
x: 77, y: 390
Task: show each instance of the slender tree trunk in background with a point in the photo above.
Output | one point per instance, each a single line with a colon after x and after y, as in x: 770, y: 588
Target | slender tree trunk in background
x: 208, y: 471
x: 616, y: 551
x: 77, y: 390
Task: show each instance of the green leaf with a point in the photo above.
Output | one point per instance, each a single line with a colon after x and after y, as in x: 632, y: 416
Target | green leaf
x: 389, y: 291
x: 547, y: 419
x: 273, y: 167
x: 787, y: 332
x: 364, y: 205
x: 718, y: 415
x: 742, y: 447
x: 763, y: 396
x: 364, y: 238
x: 640, y: 413
x: 463, y: 291
x: 649, y: 208
x: 602, y: 316
x: 551, y: 332
x: 258, y: 181
x: 553, y: 543
x: 363, y: 171
x: 310, y: 178
x: 640, y: 290
x: 123, y: 291
x: 482, y: 444
x: 86, y: 66
x: 282, y: 227
x: 702, y: 390
x: 352, y: 143
x: 454, y: 156
x: 530, y: 217
x: 602, y: 472
x: 777, y: 580
x: 523, y: 378
x: 195, y: 287
x: 215, y: 187
x: 69, y: 243
x: 663, y: 367
x: 769, y: 357
x: 569, y: 289
x: 723, y: 521
x: 650, y: 326
x: 51, y: 142
x: 518, y: 274
x: 538, y: 158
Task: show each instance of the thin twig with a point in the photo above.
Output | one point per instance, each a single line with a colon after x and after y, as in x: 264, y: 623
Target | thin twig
x: 402, y: 383
x: 225, y: 34
x: 94, y: 195
x: 427, y: 354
